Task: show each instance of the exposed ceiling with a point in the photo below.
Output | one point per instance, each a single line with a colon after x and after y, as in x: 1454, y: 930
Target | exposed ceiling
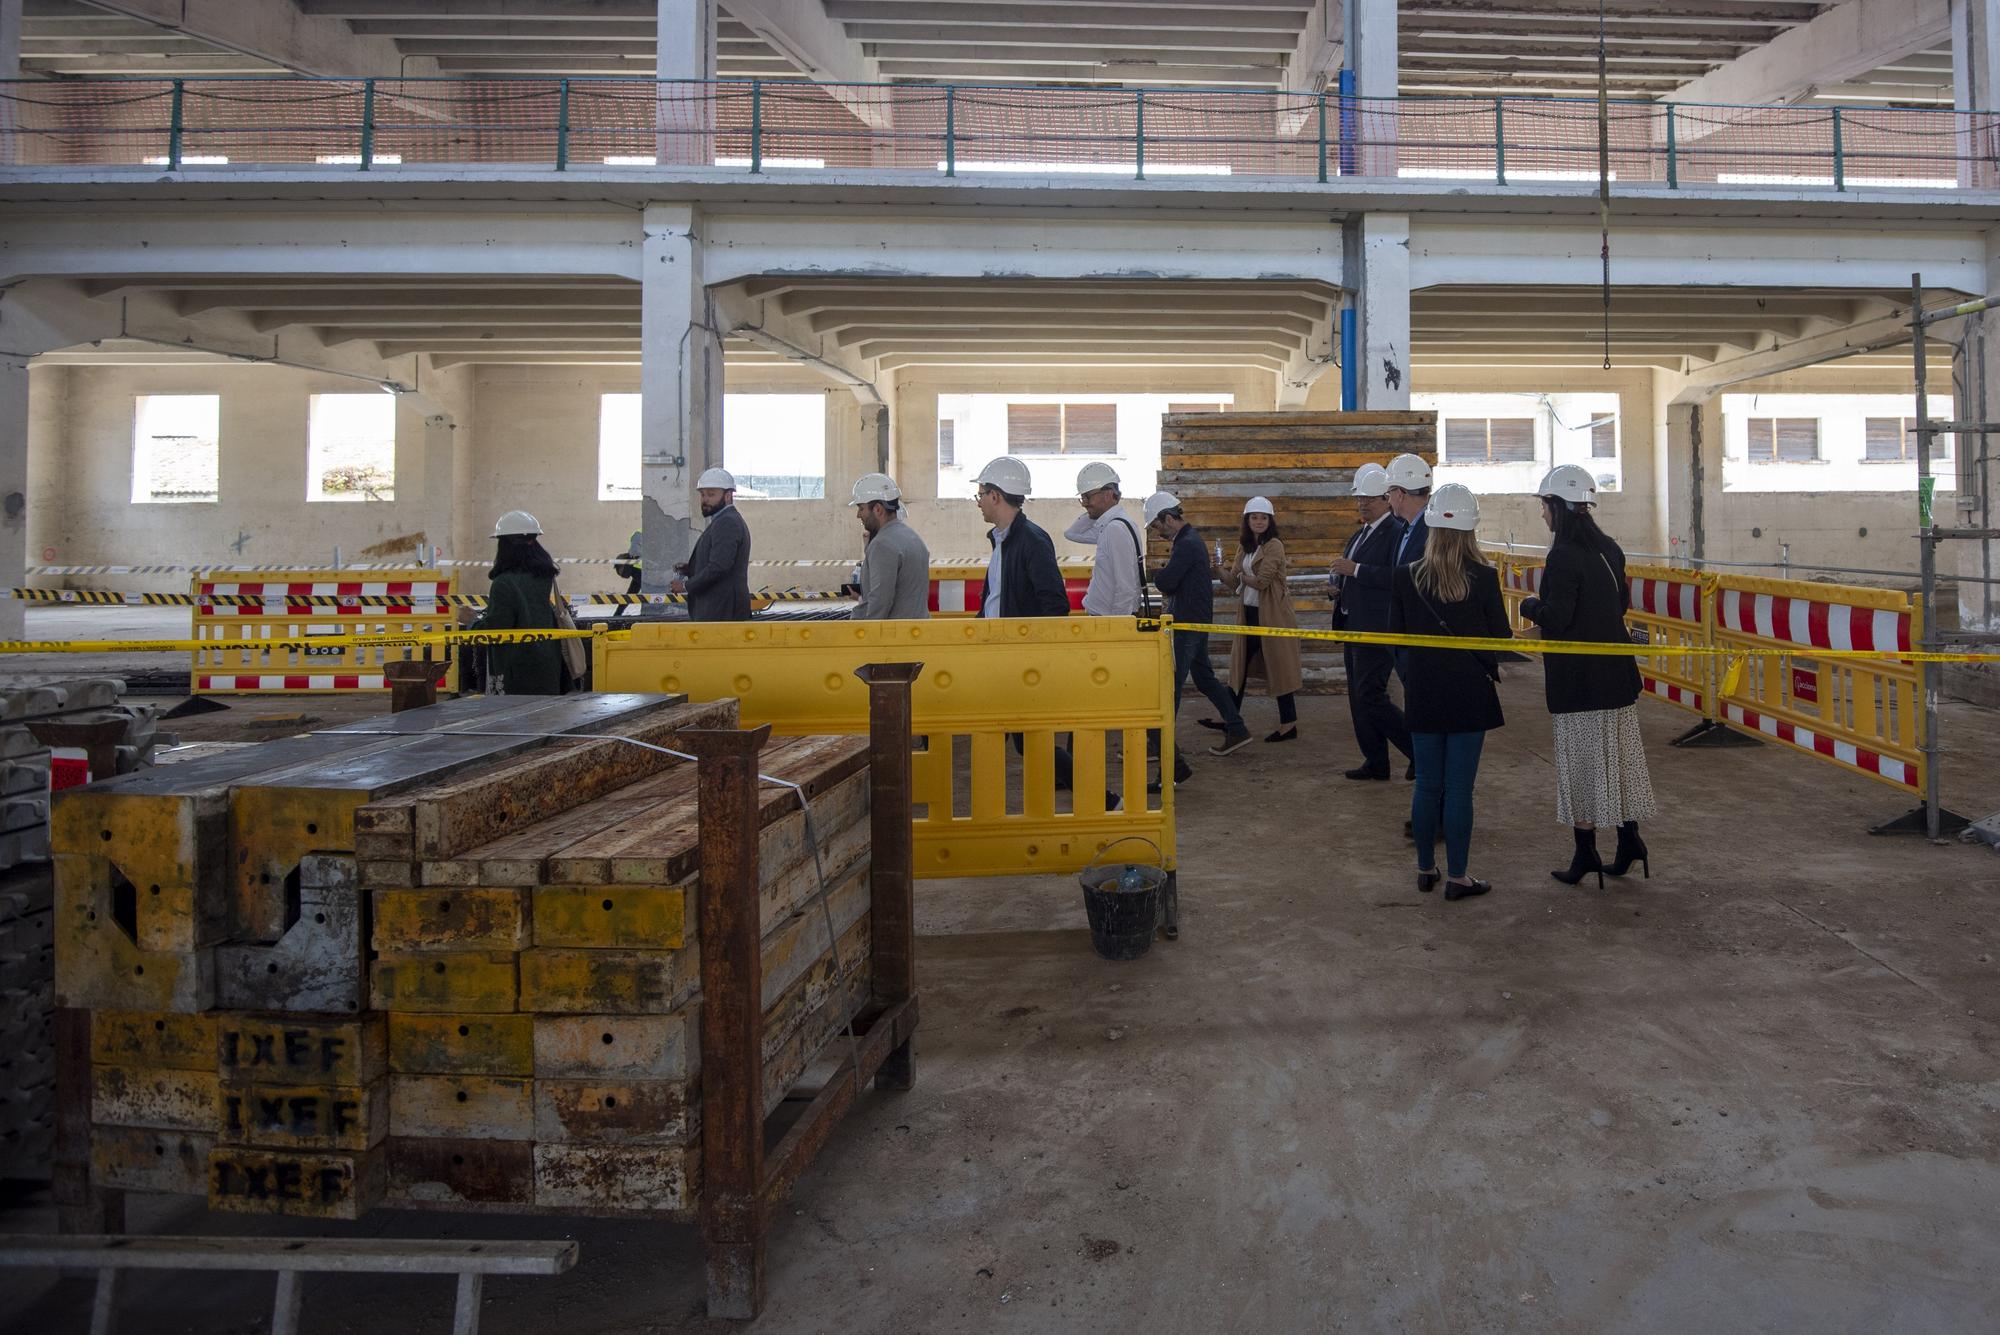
x: 1462, y: 47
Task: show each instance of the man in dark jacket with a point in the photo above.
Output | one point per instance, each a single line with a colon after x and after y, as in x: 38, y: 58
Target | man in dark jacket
x: 1187, y: 579
x: 1378, y: 723
x: 1022, y: 577
x: 716, y: 575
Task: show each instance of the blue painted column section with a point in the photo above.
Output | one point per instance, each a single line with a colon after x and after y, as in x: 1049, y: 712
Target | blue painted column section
x: 1350, y: 388
x: 1348, y: 163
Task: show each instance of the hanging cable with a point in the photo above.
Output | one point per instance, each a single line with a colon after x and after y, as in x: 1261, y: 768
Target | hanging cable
x: 1604, y: 170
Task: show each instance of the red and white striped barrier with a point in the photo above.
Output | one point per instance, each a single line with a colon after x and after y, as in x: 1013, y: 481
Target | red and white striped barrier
x: 964, y: 597
x: 1677, y: 599
x: 273, y: 681
x: 1811, y: 623
x: 418, y: 597
x: 1842, y: 753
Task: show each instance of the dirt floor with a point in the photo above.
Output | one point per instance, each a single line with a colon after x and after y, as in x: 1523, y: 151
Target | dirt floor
x: 1756, y: 1092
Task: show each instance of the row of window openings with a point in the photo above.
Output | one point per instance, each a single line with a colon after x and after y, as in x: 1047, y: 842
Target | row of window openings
x: 177, y: 457
x: 1510, y: 440
x: 1795, y: 440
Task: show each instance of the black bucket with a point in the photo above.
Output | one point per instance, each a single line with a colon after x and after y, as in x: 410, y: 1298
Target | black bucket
x: 1122, y: 920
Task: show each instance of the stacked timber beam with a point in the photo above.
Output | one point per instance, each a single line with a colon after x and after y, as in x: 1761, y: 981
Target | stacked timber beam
x: 482, y: 964
x: 1304, y: 462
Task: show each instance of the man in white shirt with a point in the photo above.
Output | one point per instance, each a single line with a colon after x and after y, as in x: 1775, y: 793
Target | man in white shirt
x: 1115, y: 578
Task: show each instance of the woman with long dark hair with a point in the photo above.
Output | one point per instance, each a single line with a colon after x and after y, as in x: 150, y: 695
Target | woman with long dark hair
x: 1448, y: 695
x: 524, y: 576
x: 1601, y: 776
x: 1259, y: 573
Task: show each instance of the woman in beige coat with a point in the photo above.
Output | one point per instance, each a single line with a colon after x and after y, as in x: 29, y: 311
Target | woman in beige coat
x: 1258, y: 573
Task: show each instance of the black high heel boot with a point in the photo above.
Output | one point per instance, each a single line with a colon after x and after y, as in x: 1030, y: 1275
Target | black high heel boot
x: 1585, y: 862
x: 1631, y: 849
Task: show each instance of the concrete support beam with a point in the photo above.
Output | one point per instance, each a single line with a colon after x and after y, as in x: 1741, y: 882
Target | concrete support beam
x: 1314, y: 63
x: 13, y: 490
x: 1375, y: 59
x: 10, y: 39
x: 819, y: 47
x: 1847, y: 40
x: 276, y: 31
x: 1382, y: 307
x: 680, y: 383
x: 685, y: 43
x: 440, y: 438
x: 1882, y: 330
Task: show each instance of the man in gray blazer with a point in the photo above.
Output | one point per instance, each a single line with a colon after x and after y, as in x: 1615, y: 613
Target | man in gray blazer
x: 716, y: 575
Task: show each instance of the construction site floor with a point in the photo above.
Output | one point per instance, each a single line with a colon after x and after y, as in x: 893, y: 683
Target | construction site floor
x: 1755, y: 1092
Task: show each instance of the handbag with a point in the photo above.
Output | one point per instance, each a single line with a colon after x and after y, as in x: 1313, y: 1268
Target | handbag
x: 575, y: 658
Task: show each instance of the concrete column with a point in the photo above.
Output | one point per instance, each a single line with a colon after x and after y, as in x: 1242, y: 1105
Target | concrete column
x: 875, y: 427
x: 440, y: 436
x: 1975, y: 71
x: 10, y: 39
x: 680, y: 381
x: 1694, y: 476
x: 13, y: 491
x: 685, y: 49
x: 1383, y: 311
x: 1377, y: 66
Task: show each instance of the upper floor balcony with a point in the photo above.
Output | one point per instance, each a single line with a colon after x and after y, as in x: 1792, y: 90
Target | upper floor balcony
x: 771, y: 129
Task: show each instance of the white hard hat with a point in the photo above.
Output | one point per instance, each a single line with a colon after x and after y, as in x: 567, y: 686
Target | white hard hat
x: 1570, y: 483
x: 517, y: 524
x: 715, y: 479
x: 1257, y: 505
x: 875, y: 487
x: 1159, y: 503
x: 1095, y: 475
x: 1409, y: 472
x: 1006, y: 473
x: 1453, y: 506
x: 1371, y: 480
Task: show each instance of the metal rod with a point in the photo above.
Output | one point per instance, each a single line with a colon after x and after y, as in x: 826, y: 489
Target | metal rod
x: 756, y: 126
x: 174, y: 128
x: 1139, y: 129
x: 1839, y: 162
x: 1926, y: 550
x: 367, y: 124
x: 1322, y: 136
x: 286, y: 1302
x: 465, y: 1311
x: 1500, y: 141
x: 562, y: 126
x: 1673, y: 157
x: 950, y: 132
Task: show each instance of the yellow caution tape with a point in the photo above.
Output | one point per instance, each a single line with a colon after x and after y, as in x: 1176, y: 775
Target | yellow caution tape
x: 114, y: 598
x: 415, y: 639
x: 1601, y: 648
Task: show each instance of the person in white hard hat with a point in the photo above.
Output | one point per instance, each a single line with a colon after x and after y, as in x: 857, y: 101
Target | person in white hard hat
x: 1022, y: 577
x: 716, y: 575
x: 1188, y: 581
x: 1259, y: 573
x: 1120, y: 567
x: 896, y: 568
x: 523, y: 598
x: 1449, y: 695
x: 1601, y: 775
x: 1378, y: 723
x: 1409, y: 491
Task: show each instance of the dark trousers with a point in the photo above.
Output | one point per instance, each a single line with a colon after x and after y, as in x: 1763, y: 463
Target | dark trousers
x: 1065, y: 765
x: 1191, y: 660
x: 1288, y: 703
x: 1447, y: 767
x: 1378, y: 723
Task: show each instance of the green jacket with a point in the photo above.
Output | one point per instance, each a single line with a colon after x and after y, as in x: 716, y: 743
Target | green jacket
x: 520, y: 601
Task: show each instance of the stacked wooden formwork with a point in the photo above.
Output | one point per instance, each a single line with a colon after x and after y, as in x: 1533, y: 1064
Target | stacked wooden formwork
x: 1304, y: 462
x: 482, y: 983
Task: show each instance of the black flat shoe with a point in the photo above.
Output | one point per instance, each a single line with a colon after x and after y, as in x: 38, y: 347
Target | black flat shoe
x: 1410, y: 772
x: 1454, y: 891
x: 1214, y: 724
x: 1375, y: 776
x: 1282, y: 736
x: 1427, y: 881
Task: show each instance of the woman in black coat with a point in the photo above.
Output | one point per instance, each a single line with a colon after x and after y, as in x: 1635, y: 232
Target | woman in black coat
x: 1448, y: 695
x: 1601, y: 776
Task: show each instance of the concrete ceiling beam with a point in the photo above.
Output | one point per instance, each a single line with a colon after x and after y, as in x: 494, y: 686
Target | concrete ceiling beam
x: 473, y: 317
x: 829, y: 315
x: 801, y: 32
x: 523, y: 30
x: 888, y: 38
x: 277, y: 31
x: 1847, y: 40
x: 1156, y: 18
x: 582, y: 10
x: 862, y: 328
x: 540, y: 335
x: 1120, y: 73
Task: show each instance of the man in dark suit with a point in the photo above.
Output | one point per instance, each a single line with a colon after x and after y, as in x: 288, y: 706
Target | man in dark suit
x: 716, y: 575
x: 1378, y: 723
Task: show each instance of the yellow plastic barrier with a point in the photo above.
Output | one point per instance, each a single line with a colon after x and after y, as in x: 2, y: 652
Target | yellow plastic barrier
x: 984, y: 684
x: 238, y: 658
x: 1520, y: 579
x: 1673, y: 607
x: 1862, y: 715
x: 958, y: 589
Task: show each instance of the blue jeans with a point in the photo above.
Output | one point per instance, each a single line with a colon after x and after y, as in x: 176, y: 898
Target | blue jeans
x: 1191, y: 660
x: 1447, y: 765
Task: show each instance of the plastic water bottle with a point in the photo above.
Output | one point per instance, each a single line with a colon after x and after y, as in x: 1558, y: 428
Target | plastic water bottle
x: 1132, y: 882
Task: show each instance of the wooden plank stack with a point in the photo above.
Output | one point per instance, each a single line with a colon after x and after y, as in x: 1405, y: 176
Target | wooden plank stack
x: 455, y: 967
x: 1303, y: 461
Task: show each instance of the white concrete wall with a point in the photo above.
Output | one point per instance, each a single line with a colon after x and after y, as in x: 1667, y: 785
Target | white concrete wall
x: 81, y: 475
